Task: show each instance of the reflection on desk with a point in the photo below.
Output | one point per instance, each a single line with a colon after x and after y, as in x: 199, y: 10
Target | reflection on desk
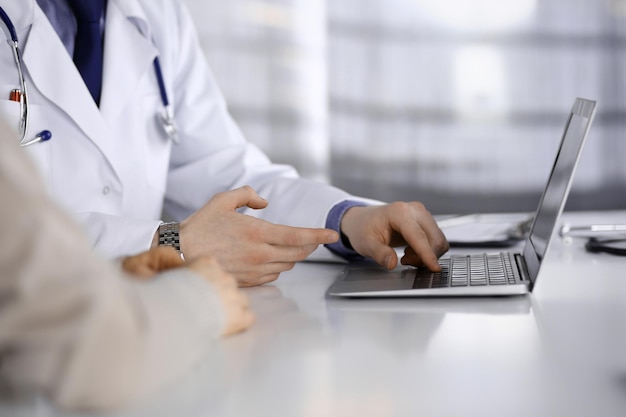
x: 557, y: 352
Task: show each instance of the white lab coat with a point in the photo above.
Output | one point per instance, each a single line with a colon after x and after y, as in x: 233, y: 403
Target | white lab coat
x: 113, y: 166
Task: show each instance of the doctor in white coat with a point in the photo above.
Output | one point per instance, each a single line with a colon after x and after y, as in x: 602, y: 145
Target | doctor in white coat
x: 112, y: 165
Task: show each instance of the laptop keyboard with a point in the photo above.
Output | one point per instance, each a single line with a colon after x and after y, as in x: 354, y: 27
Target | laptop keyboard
x: 468, y: 270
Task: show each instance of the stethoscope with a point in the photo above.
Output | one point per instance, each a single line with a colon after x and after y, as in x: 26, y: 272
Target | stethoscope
x: 165, y: 117
x: 608, y: 238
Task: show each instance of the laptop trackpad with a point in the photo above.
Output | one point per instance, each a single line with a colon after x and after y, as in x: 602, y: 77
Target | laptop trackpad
x: 380, y: 279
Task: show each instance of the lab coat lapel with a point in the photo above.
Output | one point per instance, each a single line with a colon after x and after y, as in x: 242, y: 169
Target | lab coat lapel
x: 128, y: 55
x: 54, y: 74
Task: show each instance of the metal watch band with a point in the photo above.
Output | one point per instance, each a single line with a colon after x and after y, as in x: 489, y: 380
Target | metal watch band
x: 169, y: 235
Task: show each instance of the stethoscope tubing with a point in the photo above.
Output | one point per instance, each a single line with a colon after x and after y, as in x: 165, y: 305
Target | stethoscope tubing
x: 13, y: 42
x: 596, y: 245
x: 23, y: 128
x: 9, y: 24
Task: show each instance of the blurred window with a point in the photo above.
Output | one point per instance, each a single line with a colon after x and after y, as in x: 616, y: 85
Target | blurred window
x: 457, y: 103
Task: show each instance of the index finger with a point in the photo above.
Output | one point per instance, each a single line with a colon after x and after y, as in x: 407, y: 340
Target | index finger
x: 424, y: 239
x: 299, y: 236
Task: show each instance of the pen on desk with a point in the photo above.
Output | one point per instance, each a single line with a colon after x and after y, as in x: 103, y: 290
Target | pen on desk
x: 592, y: 230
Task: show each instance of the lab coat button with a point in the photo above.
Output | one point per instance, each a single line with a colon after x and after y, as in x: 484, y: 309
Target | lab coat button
x: 106, y: 190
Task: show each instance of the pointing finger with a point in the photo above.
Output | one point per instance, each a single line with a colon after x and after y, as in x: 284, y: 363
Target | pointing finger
x: 299, y: 236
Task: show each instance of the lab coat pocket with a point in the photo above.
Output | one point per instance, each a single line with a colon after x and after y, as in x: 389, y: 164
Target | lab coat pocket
x: 39, y: 152
x: 10, y: 112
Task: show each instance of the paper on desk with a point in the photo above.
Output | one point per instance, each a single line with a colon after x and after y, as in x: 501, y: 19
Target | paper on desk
x: 488, y: 229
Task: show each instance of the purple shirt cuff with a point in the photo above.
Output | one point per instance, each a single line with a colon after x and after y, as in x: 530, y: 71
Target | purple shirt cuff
x: 342, y: 247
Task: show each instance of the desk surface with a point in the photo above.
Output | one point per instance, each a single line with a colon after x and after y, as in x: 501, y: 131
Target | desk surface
x: 560, y: 351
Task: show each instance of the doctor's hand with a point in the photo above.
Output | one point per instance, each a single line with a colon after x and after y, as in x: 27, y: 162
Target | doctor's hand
x: 253, y: 250
x: 373, y: 231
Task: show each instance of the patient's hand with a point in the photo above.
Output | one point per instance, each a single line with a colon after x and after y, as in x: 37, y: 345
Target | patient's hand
x: 234, y: 301
x: 147, y: 264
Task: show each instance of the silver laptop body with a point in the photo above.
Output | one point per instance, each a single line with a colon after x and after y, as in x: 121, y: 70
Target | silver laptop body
x: 484, y: 274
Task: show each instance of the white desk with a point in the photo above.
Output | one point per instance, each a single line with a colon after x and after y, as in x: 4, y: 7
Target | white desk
x: 559, y: 352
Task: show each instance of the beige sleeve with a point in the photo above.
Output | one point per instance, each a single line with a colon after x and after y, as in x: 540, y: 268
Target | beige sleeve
x: 71, y: 324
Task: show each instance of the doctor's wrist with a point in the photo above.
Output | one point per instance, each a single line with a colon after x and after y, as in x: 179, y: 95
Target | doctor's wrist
x: 168, y: 234
x: 155, y: 239
x: 334, y: 221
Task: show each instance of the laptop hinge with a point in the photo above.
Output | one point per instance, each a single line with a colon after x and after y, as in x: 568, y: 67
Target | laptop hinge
x: 523, y: 270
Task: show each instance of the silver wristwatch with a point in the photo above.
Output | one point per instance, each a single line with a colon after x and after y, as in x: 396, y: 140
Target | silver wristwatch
x: 169, y: 235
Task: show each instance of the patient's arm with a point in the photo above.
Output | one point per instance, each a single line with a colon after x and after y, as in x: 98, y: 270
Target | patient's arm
x: 72, y: 325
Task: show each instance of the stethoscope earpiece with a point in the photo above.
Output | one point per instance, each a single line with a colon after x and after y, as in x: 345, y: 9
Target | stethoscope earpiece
x: 43, y: 136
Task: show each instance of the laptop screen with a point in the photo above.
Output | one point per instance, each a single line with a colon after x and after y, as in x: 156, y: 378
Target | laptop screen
x: 557, y: 187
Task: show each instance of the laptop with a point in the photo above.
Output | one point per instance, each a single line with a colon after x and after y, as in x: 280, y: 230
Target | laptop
x: 484, y: 274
